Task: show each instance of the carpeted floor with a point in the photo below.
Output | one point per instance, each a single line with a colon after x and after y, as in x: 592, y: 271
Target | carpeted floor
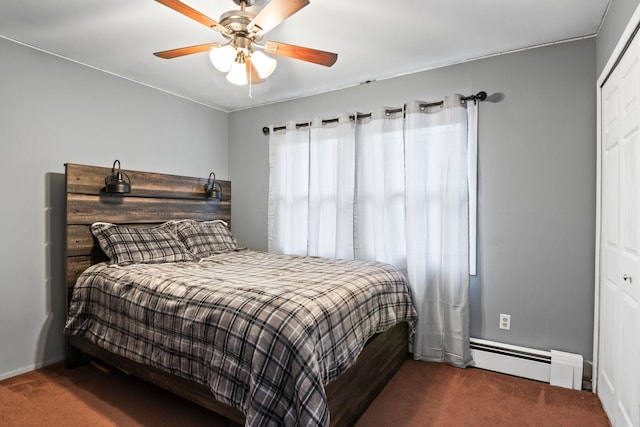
x: 421, y: 394
x: 432, y: 394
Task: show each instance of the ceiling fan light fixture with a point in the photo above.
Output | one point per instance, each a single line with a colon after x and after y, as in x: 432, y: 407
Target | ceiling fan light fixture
x: 263, y: 64
x: 238, y: 73
x: 243, y: 30
x: 222, y: 58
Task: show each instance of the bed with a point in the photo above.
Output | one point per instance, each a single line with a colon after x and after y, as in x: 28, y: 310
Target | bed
x: 288, y: 346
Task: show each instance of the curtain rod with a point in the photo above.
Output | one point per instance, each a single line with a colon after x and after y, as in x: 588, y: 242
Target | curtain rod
x: 480, y: 96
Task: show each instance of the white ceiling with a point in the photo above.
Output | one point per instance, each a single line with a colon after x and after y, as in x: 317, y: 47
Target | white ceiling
x: 374, y: 39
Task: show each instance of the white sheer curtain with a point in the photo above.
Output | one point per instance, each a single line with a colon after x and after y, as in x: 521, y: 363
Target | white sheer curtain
x: 288, y: 190
x: 380, y: 231
x: 393, y: 187
x: 331, y: 187
x: 437, y: 221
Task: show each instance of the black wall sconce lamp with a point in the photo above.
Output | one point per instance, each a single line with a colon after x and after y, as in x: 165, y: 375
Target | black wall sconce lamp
x: 212, y: 188
x: 115, y: 183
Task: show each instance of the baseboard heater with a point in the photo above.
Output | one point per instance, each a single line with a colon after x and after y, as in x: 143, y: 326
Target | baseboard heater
x: 554, y: 367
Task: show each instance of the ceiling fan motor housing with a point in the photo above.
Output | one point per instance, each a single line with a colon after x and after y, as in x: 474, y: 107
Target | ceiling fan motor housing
x: 236, y: 22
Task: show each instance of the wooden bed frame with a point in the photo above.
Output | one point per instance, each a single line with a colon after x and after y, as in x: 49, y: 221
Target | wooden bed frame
x: 154, y: 199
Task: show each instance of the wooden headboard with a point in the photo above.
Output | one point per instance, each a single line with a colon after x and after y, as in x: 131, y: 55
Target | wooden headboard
x: 154, y: 199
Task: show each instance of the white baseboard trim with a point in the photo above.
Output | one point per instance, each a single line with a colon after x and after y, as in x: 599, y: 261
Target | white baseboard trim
x: 29, y: 368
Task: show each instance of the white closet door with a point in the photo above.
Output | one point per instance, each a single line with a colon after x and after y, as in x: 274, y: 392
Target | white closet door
x: 619, y: 349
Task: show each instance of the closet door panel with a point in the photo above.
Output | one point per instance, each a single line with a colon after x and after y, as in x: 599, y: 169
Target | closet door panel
x: 607, y: 378
x: 630, y: 206
x: 609, y: 357
x: 619, y: 348
x: 629, y: 386
x: 628, y: 383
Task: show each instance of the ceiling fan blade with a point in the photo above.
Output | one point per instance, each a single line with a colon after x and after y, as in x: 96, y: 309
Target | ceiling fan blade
x: 174, y: 53
x: 188, y: 11
x: 274, y: 13
x: 302, y: 53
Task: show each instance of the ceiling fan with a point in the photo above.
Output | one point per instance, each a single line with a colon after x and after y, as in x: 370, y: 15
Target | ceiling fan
x: 240, y: 55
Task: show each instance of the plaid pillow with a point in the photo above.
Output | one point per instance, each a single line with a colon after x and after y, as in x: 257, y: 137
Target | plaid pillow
x: 127, y: 245
x: 207, y: 237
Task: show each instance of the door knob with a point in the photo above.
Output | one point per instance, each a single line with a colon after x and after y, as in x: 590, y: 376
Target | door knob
x: 626, y: 278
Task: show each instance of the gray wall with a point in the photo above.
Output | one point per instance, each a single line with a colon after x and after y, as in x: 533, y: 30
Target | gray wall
x: 536, y: 188
x: 52, y: 112
x: 616, y: 20
x: 536, y: 183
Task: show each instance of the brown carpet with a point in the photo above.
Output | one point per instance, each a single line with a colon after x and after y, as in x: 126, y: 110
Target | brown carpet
x: 433, y: 394
x: 421, y: 394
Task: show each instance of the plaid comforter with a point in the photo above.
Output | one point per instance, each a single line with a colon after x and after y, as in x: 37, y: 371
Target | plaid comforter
x: 265, y: 332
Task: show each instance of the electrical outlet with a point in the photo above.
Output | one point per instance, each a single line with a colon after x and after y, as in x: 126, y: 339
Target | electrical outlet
x: 505, y: 321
